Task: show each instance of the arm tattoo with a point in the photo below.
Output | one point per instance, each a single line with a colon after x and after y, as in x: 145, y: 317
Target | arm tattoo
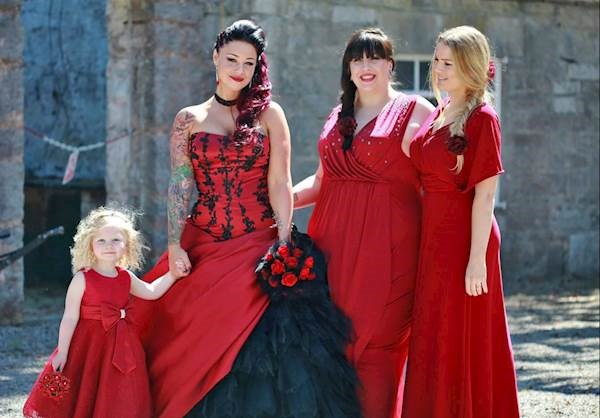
x: 181, y: 180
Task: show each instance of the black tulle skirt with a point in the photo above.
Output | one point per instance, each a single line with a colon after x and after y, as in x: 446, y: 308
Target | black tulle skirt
x: 293, y: 364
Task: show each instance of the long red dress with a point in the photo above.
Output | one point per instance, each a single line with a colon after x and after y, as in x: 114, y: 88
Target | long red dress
x: 106, y: 363
x: 460, y: 362
x: 195, y: 331
x: 367, y: 222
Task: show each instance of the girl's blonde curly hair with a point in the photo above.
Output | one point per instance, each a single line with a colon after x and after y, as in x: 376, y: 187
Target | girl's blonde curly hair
x: 82, y: 256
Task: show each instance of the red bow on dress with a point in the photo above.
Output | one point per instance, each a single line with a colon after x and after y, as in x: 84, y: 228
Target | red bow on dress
x: 119, y: 318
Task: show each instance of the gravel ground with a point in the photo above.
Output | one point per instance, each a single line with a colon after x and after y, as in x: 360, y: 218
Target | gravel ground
x: 554, y: 325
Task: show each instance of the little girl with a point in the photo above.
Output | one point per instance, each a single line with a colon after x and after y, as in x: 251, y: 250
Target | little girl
x: 98, y: 368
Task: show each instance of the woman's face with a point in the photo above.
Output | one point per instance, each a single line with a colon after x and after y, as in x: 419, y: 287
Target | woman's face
x: 370, y: 74
x: 445, y: 74
x: 235, y: 63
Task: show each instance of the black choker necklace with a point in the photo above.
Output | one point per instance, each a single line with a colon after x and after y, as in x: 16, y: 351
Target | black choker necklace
x: 224, y: 102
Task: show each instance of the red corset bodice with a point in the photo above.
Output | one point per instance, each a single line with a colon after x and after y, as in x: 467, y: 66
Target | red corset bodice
x: 231, y: 179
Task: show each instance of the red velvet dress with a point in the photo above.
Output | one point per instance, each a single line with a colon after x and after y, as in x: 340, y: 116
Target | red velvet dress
x: 195, y: 331
x: 460, y: 361
x: 106, y: 364
x: 367, y: 222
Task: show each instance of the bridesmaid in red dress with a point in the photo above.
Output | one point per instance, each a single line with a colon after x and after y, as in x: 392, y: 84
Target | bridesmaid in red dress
x: 367, y: 214
x: 460, y: 362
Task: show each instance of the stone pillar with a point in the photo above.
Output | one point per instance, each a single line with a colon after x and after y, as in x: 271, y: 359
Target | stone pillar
x: 159, y: 62
x: 11, y: 158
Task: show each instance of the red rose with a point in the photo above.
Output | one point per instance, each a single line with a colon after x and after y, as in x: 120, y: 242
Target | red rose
x: 491, y: 70
x: 291, y: 262
x: 289, y: 279
x: 304, y: 273
x: 297, y: 252
x: 283, y: 251
x: 346, y: 125
x: 273, y: 282
x: 309, y: 262
x: 457, y: 144
x: 277, y: 267
x: 312, y: 276
x: 269, y: 257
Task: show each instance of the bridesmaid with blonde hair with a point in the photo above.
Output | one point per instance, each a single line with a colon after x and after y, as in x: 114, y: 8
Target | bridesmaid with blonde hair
x: 460, y: 361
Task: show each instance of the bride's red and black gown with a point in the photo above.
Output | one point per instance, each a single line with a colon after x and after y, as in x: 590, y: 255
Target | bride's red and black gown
x: 215, y: 346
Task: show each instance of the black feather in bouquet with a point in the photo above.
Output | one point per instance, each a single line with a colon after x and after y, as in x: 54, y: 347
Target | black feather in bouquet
x: 293, y: 364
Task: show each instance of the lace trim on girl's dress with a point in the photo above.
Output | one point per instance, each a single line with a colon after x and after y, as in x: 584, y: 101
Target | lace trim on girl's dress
x: 32, y: 414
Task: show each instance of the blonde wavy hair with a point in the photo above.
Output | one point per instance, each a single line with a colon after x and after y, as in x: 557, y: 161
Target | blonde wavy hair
x: 471, y: 56
x: 82, y: 256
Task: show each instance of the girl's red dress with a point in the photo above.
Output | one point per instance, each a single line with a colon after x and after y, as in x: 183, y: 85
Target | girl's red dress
x: 460, y: 362
x: 367, y: 222
x: 106, y: 365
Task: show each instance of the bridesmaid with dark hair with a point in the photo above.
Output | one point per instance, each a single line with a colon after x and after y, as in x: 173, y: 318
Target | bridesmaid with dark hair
x: 367, y: 214
x: 215, y: 346
x: 460, y: 363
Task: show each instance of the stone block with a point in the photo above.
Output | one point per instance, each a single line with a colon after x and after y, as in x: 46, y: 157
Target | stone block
x: 406, y: 29
x: 583, y: 254
x: 11, y: 92
x: 566, y: 105
x: 355, y: 15
x: 309, y: 10
x: 11, y: 37
x: 11, y: 187
x: 190, y: 14
x: 566, y: 87
x: 583, y: 72
x: 11, y: 144
x: 506, y: 35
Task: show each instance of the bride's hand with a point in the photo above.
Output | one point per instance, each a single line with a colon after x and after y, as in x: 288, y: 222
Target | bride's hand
x: 179, y: 262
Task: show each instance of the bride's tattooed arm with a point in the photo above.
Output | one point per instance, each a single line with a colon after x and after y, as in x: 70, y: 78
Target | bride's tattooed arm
x: 181, y: 180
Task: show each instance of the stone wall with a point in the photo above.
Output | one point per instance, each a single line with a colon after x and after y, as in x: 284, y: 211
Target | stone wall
x: 549, y: 101
x: 65, y: 54
x: 11, y: 157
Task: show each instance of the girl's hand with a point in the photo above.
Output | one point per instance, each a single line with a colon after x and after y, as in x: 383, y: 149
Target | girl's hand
x: 476, y: 278
x: 59, y: 361
x: 179, y: 263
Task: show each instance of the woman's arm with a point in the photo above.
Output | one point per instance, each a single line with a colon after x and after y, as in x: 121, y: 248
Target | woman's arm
x: 69, y: 320
x: 307, y: 191
x: 154, y: 290
x: 421, y: 112
x: 279, y: 176
x: 180, y: 187
x: 481, y: 225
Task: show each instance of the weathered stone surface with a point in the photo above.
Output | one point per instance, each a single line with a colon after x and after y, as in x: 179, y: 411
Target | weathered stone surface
x: 583, y: 254
x: 549, y: 100
x: 11, y: 159
x: 65, y: 59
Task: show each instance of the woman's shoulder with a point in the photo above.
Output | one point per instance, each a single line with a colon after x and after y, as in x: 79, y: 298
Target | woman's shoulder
x: 194, y: 114
x: 483, y: 113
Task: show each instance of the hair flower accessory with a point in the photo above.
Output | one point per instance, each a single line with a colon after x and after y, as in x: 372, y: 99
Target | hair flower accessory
x: 491, y: 70
x: 457, y: 144
x: 346, y: 125
x: 55, y: 385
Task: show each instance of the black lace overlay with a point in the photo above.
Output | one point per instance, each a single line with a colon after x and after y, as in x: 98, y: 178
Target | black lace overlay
x: 231, y: 179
